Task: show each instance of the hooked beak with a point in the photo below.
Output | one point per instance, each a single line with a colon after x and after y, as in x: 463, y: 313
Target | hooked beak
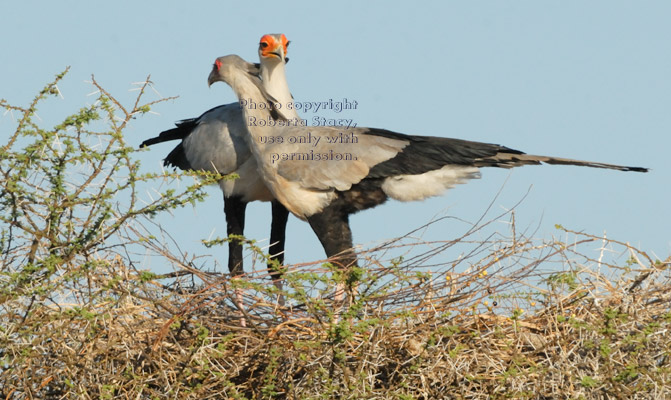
x: 275, y: 52
x: 213, y: 77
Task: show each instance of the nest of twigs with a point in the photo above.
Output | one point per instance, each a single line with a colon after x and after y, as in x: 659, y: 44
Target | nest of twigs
x: 505, y: 318
x: 480, y: 316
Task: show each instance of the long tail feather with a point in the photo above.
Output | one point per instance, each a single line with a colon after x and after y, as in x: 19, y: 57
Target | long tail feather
x: 509, y: 160
x: 182, y: 130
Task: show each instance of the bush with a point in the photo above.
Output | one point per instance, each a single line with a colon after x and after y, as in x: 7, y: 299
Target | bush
x: 505, y: 317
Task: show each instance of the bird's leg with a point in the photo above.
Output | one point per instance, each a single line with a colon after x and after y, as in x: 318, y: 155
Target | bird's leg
x: 277, y: 238
x: 332, y: 228
x: 234, y: 208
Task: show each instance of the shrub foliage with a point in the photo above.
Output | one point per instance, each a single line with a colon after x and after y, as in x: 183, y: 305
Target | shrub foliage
x: 502, y: 317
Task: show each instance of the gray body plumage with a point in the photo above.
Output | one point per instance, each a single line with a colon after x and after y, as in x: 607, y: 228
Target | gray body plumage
x: 377, y: 165
x: 306, y: 177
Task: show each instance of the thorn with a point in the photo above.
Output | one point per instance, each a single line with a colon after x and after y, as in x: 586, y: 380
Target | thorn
x: 155, y: 91
x: 59, y: 92
x: 57, y: 143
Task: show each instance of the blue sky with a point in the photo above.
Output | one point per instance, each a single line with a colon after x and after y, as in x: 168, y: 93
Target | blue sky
x: 586, y: 80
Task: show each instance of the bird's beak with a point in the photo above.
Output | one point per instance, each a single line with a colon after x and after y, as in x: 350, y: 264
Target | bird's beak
x: 213, y: 77
x: 275, y: 52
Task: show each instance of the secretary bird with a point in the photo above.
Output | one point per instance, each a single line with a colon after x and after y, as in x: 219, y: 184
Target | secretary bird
x: 216, y: 142
x: 334, y: 171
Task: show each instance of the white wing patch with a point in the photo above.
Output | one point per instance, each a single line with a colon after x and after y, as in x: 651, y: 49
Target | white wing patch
x: 428, y: 184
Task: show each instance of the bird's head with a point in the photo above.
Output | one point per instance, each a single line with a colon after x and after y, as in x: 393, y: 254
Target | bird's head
x: 238, y: 73
x: 225, y: 69
x: 273, y: 48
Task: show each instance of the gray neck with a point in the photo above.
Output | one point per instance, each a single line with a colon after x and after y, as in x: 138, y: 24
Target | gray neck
x: 255, y: 107
x: 275, y: 82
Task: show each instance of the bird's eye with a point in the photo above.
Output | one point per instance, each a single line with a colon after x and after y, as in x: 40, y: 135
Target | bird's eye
x: 263, y: 45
